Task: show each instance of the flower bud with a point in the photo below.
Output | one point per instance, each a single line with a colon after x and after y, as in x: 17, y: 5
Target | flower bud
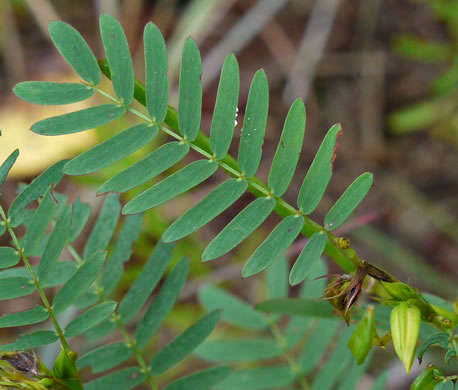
x: 399, y: 291
x: 405, y: 323
x: 64, y: 366
x: 360, y: 342
x: 426, y: 380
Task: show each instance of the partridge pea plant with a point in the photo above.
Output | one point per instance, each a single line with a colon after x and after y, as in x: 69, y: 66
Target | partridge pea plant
x: 88, y: 282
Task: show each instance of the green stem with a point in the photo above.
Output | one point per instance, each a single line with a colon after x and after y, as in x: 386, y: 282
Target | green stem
x: 130, y: 342
x: 36, y: 282
x: 283, y: 345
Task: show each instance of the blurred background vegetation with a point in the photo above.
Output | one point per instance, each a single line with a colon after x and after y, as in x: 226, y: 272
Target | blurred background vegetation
x: 386, y: 69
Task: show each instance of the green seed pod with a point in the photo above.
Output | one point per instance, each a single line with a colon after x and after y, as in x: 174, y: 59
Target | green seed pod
x: 361, y: 341
x: 405, y: 323
x: 64, y: 366
x: 426, y: 380
x: 399, y: 291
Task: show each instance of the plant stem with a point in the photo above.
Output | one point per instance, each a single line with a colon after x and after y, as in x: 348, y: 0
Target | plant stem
x: 36, y: 282
x: 130, y: 342
x: 281, y: 342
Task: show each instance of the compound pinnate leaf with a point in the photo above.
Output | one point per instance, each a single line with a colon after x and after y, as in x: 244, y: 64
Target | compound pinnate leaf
x: 317, y: 178
x: 260, y: 378
x: 105, y: 357
x: 162, y: 304
x: 157, y: 82
x: 235, y: 311
x: 233, y: 350
x: 118, y: 56
x: 74, y: 122
x: 317, y: 344
x: 288, y: 150
x: 56, y: 244
x: 207, y: 209
x: 27, y: 317
x: 15, y: 287
x: 146, y: 281
x: 31, y: 340
x: 190, y: 95
x: 308, y: 258
x: 80, y: 216
x: 239, y: 228
x: 112, y: 150
x: 172, y: 186
x: 89, y: 319
x: 101, y: 330
x: 79, y: 282
x: 274, y: 245
x: 34, y: 190
x: 349, y: 200
x: 184, y: 344
x: 6, y: 166
x: 254, y: 125
x: 124, y: 379
x: 121, y: 253
x: 50, y: 93
x: 8, y: 257
x: 202, y: 380
x: 104, y: 227
x: 152, y: 165
x: 223, y: 122
x: 75, y: 51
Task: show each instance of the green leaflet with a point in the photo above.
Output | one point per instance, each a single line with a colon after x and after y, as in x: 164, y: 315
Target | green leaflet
x: 8, y: 257
x: 317, y: 178
x: 152, y: 165
x: 260, y: 378
x: 254, y: 125
x: 105, y: 357
x: 201, y: 380
x: 308, y: 258
x: 104, y: 227
x: 31, y: 341
x: 89, y: 319
x: 353, y: 375
x: 172, y: 186
x: 53, y: 94
x: 157, y: 82
x: 190, y: 95
x: 380, y: 382
x: 205, y: 210
x: 445, y: 385
x: 146, y: 281
x: 239, y: 228
x: 112, y: 150
x: 6, y: 166
x: 79, y: 282
x: 74, y: 122
x: 86, y: 299
x: 34, y: 190
x: 335, y: 364
x: 224, y: 114
x: 162, y: 304
x: 121, y: 253
x: 276, y: 279
x: 274, y: 245
x: 101, y: 330
x: 288, y: 150
x: 124, y: 379
x: 81, y: 212
x: 118, y: 56
x: 349, y: 200
x: 15, y: 287
x: 441, y: 338
x: 297, y: 307
x: 56, y: 244
x: 39, y: 223
x: 62, y: 272
x: 233, y: 350
x: 27, y: 317
x: 235, y: 311
x: 75, y: 51
x: 317, y: 344
x: 184, y: 344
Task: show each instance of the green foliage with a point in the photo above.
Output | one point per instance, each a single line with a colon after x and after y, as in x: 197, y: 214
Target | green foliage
x: 88, y: 282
